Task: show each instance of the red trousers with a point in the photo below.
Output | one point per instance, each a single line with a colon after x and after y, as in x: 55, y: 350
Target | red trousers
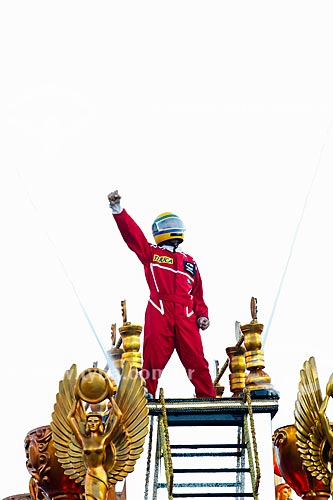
x: 163, y: 333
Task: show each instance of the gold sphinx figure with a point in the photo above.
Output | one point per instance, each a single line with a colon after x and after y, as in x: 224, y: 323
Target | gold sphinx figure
x: 98, y: 449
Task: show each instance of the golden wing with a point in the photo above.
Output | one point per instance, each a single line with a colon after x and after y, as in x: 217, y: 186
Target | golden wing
x: 130, y: 435
x: 67, y: 449
x: 311, y: 440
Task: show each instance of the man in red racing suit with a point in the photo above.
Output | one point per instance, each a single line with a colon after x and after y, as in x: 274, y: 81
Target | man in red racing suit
x: 176, y: 308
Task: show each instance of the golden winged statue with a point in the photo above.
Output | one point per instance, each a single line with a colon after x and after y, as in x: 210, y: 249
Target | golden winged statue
x: 314, y: 436
x: 99, y: 449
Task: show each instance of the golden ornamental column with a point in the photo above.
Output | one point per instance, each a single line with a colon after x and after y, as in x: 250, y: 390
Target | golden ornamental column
x: 130, y: 335
x: 257, y: 379
x: 236, y: 355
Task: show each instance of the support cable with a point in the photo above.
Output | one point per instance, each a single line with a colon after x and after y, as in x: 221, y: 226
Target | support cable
x: 264, y: 337
x: 110, y: 363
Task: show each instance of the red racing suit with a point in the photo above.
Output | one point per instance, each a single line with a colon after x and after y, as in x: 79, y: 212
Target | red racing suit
x: 175, y: 303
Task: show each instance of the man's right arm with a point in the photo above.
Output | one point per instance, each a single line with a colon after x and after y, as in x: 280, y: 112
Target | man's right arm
x: 130, y: 231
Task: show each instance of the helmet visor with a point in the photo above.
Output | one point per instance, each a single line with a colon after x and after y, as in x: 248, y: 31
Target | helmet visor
x: 169, y: 223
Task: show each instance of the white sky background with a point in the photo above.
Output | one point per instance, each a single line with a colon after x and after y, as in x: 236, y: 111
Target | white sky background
x: 218, y: 111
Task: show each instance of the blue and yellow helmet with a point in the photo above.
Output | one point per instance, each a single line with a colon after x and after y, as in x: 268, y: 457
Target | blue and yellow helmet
x: 168, y: 226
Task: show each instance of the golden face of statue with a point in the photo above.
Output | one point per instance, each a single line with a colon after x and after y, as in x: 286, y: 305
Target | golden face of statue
x: 93, y: 422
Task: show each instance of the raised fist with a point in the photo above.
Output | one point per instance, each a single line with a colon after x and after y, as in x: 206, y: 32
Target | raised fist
x: 114, y: 198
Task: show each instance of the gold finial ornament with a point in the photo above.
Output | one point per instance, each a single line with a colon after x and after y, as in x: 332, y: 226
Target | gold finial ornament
x: 99, y: 449
x: 237, y: 374
x: 130, y: 339
x: 256, y: 379
x: 130, y: 335
x: 236, y: 355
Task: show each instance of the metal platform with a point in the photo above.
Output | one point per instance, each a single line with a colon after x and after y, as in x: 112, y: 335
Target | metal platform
x: 219, y: 411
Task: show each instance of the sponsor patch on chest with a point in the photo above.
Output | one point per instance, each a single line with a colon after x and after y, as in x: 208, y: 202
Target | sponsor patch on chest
x: 190, y: 267
x: 163, y: 259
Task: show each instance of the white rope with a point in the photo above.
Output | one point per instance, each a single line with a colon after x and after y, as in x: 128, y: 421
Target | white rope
x: 110, y: 363
x: 264, y: 337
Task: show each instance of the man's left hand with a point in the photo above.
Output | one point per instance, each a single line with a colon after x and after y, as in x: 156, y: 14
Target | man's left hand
x: 203, y: 323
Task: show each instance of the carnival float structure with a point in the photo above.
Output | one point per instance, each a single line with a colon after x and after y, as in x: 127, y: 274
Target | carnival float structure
x: 108, y: 441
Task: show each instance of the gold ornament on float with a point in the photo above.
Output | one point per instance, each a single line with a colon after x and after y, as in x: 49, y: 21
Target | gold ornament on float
x: 99, y: 449
x: 257, y: 378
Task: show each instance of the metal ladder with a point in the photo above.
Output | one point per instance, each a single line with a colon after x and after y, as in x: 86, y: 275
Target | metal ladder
x: 221, y: 466
x: 207, y: 470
